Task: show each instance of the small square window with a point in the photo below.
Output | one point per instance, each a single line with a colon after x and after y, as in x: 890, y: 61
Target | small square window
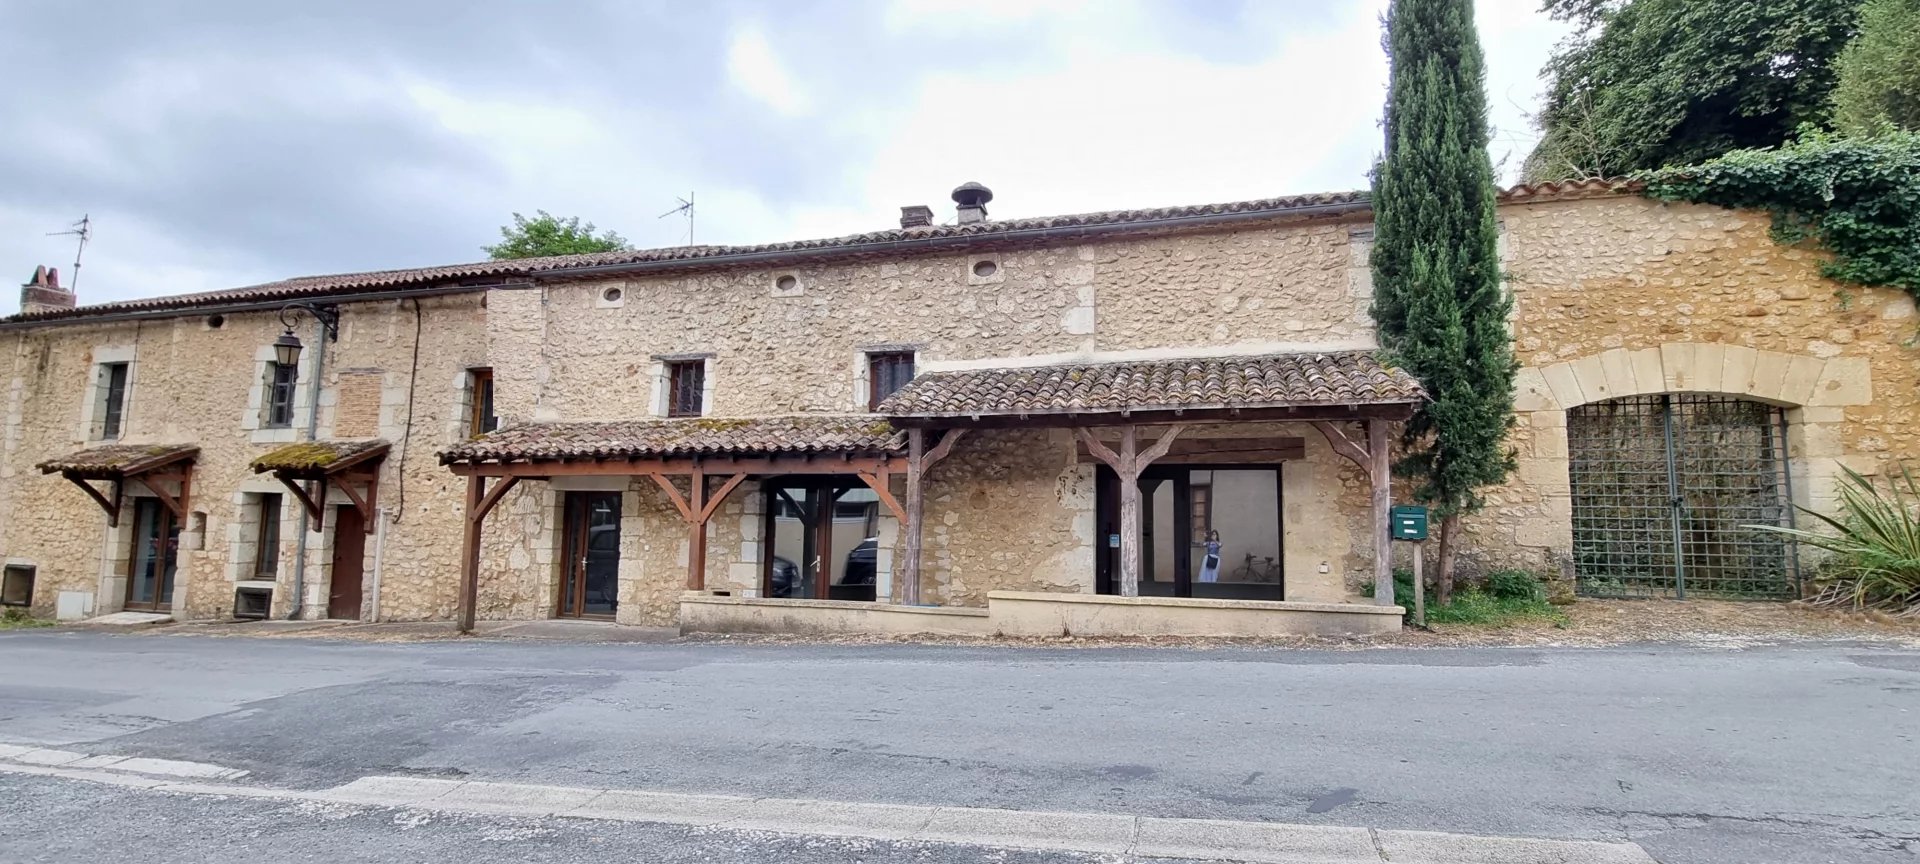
x: 16, y: 586
x: 887, y: 372
x: 110, y: 413
x: 280, y: 379
x: 686, y: 386
x: 481, y: 418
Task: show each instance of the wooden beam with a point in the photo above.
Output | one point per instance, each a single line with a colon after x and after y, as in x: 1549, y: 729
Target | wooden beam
x: 493, y: 496
x: 1225, y: 451
x: 941, y: 450
x: 112, y: 507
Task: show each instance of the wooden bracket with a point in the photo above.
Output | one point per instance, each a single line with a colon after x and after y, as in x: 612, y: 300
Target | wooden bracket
x: 1346, y: 446
x: 492, y: 497
x: 109, y: 504
x: 879, y: 481
x: 714, y: 501
x: 941, y: 449
x: 673, y: 494
x: 316, y: 510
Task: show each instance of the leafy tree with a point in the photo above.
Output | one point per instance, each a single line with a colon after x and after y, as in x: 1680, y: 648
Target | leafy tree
x: 1438, y: 301
x: 547, y: 234
x: 1879, y: 72
x: 1649, y: 83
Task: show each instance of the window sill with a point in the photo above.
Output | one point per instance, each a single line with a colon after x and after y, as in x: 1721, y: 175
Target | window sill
x: 275, y: 435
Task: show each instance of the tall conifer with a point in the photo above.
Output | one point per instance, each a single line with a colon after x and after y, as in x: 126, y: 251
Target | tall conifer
x: 1438, y: 301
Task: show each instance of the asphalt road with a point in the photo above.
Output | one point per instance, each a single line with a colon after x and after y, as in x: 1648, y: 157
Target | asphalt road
x: 1802, y: 753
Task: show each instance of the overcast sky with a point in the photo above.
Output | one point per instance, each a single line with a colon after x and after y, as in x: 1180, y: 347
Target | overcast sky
x: 222, y: 143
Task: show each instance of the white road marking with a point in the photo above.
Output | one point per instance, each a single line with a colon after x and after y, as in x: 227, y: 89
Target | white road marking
x: 1264, y: 842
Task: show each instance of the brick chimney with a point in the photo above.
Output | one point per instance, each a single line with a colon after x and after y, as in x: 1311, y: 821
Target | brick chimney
x: 43, y: 293
x: 916, y: 216
x: 972, y: 198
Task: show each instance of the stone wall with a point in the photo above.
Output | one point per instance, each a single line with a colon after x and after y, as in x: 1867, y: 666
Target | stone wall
x: 1626, y: 296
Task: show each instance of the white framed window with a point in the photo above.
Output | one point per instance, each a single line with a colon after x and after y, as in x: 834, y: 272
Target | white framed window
x: 279, y: 399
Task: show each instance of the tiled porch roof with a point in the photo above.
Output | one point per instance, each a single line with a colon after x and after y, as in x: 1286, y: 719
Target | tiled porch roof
x: 320, y: 457
x: 114, y: 461
x: 1193, y: 384
x: 692, y: 436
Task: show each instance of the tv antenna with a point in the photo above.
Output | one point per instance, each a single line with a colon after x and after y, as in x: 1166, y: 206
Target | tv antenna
x: 84, y: 230
x: 686, y: 209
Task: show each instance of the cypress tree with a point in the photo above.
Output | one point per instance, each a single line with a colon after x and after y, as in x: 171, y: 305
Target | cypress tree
x: 1438, y: 304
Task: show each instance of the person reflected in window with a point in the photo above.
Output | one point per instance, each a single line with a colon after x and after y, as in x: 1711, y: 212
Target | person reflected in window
x: 1210, y: 565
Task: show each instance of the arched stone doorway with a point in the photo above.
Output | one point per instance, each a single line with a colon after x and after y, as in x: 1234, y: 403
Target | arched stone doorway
x: 1665, y: 489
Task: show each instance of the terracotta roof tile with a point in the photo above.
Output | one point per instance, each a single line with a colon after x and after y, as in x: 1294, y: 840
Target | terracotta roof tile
x: 110, y: 461
x: 1267, y: 381
x: 320, y: 457
x: 875, y: 242
x: 692, y: 436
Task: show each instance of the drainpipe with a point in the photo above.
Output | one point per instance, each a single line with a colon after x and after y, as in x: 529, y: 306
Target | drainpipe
x: 313, y: 427
x: 379, y: 555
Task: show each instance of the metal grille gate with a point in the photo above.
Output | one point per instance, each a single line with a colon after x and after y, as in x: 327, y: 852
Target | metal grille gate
x: 1661, y: 487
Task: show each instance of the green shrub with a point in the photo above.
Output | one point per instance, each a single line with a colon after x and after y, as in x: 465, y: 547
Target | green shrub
x: 1515, y: 585
x: 1875, y: 543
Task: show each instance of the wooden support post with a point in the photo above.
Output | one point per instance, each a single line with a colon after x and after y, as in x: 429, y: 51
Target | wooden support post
x: 1419, y: 584
x: 1127, y: 465
x: 697, y: 532
x: 480, y: 502
x: 1381, y: 473
x: 919, y: 459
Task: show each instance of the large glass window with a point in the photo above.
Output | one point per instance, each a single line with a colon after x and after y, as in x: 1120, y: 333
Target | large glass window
x: 824, y: 539
x: 1204, y: 532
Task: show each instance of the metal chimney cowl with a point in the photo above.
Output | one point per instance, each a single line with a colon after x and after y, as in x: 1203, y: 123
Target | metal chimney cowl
x: 972, y: 198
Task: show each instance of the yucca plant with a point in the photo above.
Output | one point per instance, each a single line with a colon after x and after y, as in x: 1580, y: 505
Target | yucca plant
x: 1875, y: 546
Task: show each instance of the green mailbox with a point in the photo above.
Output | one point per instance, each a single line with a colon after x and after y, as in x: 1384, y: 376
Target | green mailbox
x: 1409, y: 522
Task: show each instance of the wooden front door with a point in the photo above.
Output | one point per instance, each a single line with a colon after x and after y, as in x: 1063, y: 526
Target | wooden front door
x: 349, y: 555
x: 590, y: 580
x: 156, y: 544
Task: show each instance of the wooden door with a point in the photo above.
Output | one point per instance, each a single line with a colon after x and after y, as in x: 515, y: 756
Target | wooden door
x: 349, y: 555
x: 590, y: 580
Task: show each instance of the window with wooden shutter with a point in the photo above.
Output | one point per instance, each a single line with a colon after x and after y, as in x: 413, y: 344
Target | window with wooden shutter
x: 113, y: 400
x: 480, y: 416
x: 280, y: 382
x: 887, y: 372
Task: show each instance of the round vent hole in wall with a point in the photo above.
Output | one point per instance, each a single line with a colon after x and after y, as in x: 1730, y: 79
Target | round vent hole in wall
x: 215, y: 322
x: 984, y: 268
x: 612, y: 295
x: 786, y: 283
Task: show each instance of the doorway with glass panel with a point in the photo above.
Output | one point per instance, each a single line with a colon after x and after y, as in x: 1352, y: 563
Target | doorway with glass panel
x: 1209, y: 531
x: 823, y: 539
x: 156, y: 546
x: 590, y: 575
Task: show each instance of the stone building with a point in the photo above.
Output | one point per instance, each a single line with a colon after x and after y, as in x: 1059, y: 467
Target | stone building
x: 926, y: 415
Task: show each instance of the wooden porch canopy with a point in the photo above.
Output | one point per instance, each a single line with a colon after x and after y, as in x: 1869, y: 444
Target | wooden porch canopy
x: 309, y: 469
x: 1328, y: 389
x: 152, y: 465
x: 701, y: 448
